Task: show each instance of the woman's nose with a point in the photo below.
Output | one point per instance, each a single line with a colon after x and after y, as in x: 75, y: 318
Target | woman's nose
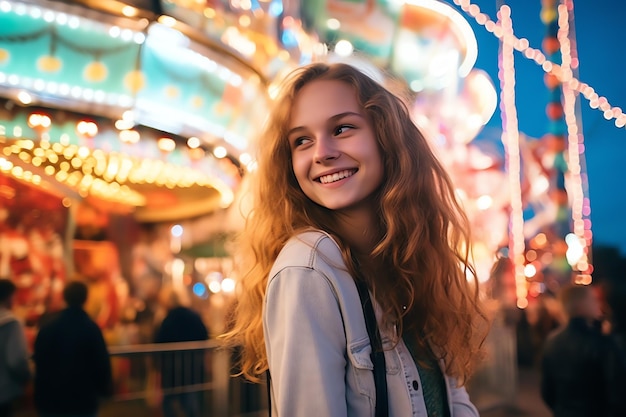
x: 325, y: 149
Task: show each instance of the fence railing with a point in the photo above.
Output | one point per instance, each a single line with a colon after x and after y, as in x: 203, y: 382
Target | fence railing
x: 150, y: 372
x: 148, y: 375
x: 154, y: 374
x: 495, y: 383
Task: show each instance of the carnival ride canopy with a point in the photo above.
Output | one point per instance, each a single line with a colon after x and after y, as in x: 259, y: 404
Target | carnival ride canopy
x: 154, y: 106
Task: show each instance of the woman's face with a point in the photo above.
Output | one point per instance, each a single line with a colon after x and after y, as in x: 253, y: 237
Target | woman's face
x: 335, y: 157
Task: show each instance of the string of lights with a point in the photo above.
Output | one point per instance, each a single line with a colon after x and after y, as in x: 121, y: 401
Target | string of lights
x: 579, y: 242
x: 510, y: 139
x: 575, y: 140
x: 596, y: 101
x: 572, y: 127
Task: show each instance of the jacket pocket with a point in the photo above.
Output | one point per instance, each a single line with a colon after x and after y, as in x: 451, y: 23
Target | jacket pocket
x: 361, y: 368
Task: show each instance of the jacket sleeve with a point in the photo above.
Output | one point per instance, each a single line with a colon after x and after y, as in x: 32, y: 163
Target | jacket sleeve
x: 17, y: 354
x: 306, y: 345
x: 459, y: 398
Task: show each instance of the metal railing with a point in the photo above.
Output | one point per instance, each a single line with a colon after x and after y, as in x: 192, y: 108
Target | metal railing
x: 144, y: 375
x: 494, y: 385
x: 149, y: 374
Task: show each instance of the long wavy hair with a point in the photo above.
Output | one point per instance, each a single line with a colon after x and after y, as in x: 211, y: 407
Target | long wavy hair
x: 424, y: 237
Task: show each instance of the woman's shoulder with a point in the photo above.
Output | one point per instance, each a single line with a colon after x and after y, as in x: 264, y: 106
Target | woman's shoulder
x: 314, y: 257
x: 309, y: 249
x: 312, y: 250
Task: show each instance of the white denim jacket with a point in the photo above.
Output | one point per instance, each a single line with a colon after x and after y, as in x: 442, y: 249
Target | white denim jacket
x: 317, y: 343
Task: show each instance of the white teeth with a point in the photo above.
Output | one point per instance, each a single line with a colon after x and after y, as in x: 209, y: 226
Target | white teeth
x: 336, y: 176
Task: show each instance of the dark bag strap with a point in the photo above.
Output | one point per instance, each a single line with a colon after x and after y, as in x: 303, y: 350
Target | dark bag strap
x: 377, y: 355
x: 268, y: 383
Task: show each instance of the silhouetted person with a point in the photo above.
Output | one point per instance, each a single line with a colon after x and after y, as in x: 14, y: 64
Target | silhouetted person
x: 543, y: 323
x: 14, y: 370
x: 575, y: 378
x: 72, y: 366
x: 182, y: 371
x: 616, y: 313
x: 523, y: 333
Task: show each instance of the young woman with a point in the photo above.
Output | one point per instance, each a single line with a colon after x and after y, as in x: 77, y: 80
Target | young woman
x: 349, y: 192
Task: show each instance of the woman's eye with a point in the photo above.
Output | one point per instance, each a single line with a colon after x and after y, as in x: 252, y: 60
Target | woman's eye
x: 300, y: 141
x: 342, y: 129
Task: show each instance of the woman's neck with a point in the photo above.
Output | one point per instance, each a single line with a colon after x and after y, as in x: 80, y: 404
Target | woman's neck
x: 359, y: 230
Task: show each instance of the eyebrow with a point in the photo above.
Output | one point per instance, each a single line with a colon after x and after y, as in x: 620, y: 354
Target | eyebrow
x: 331, y: 119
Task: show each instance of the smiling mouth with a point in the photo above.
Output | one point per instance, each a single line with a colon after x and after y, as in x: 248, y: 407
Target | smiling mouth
x: 327, y: 179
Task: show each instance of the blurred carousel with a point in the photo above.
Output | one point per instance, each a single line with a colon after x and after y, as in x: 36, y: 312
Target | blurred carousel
x: 127, y: 128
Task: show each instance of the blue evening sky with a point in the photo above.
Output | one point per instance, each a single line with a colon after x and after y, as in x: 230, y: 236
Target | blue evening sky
x: 600, y: 36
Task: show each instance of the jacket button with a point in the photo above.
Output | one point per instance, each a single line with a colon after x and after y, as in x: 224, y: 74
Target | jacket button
x: 415, y: 385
